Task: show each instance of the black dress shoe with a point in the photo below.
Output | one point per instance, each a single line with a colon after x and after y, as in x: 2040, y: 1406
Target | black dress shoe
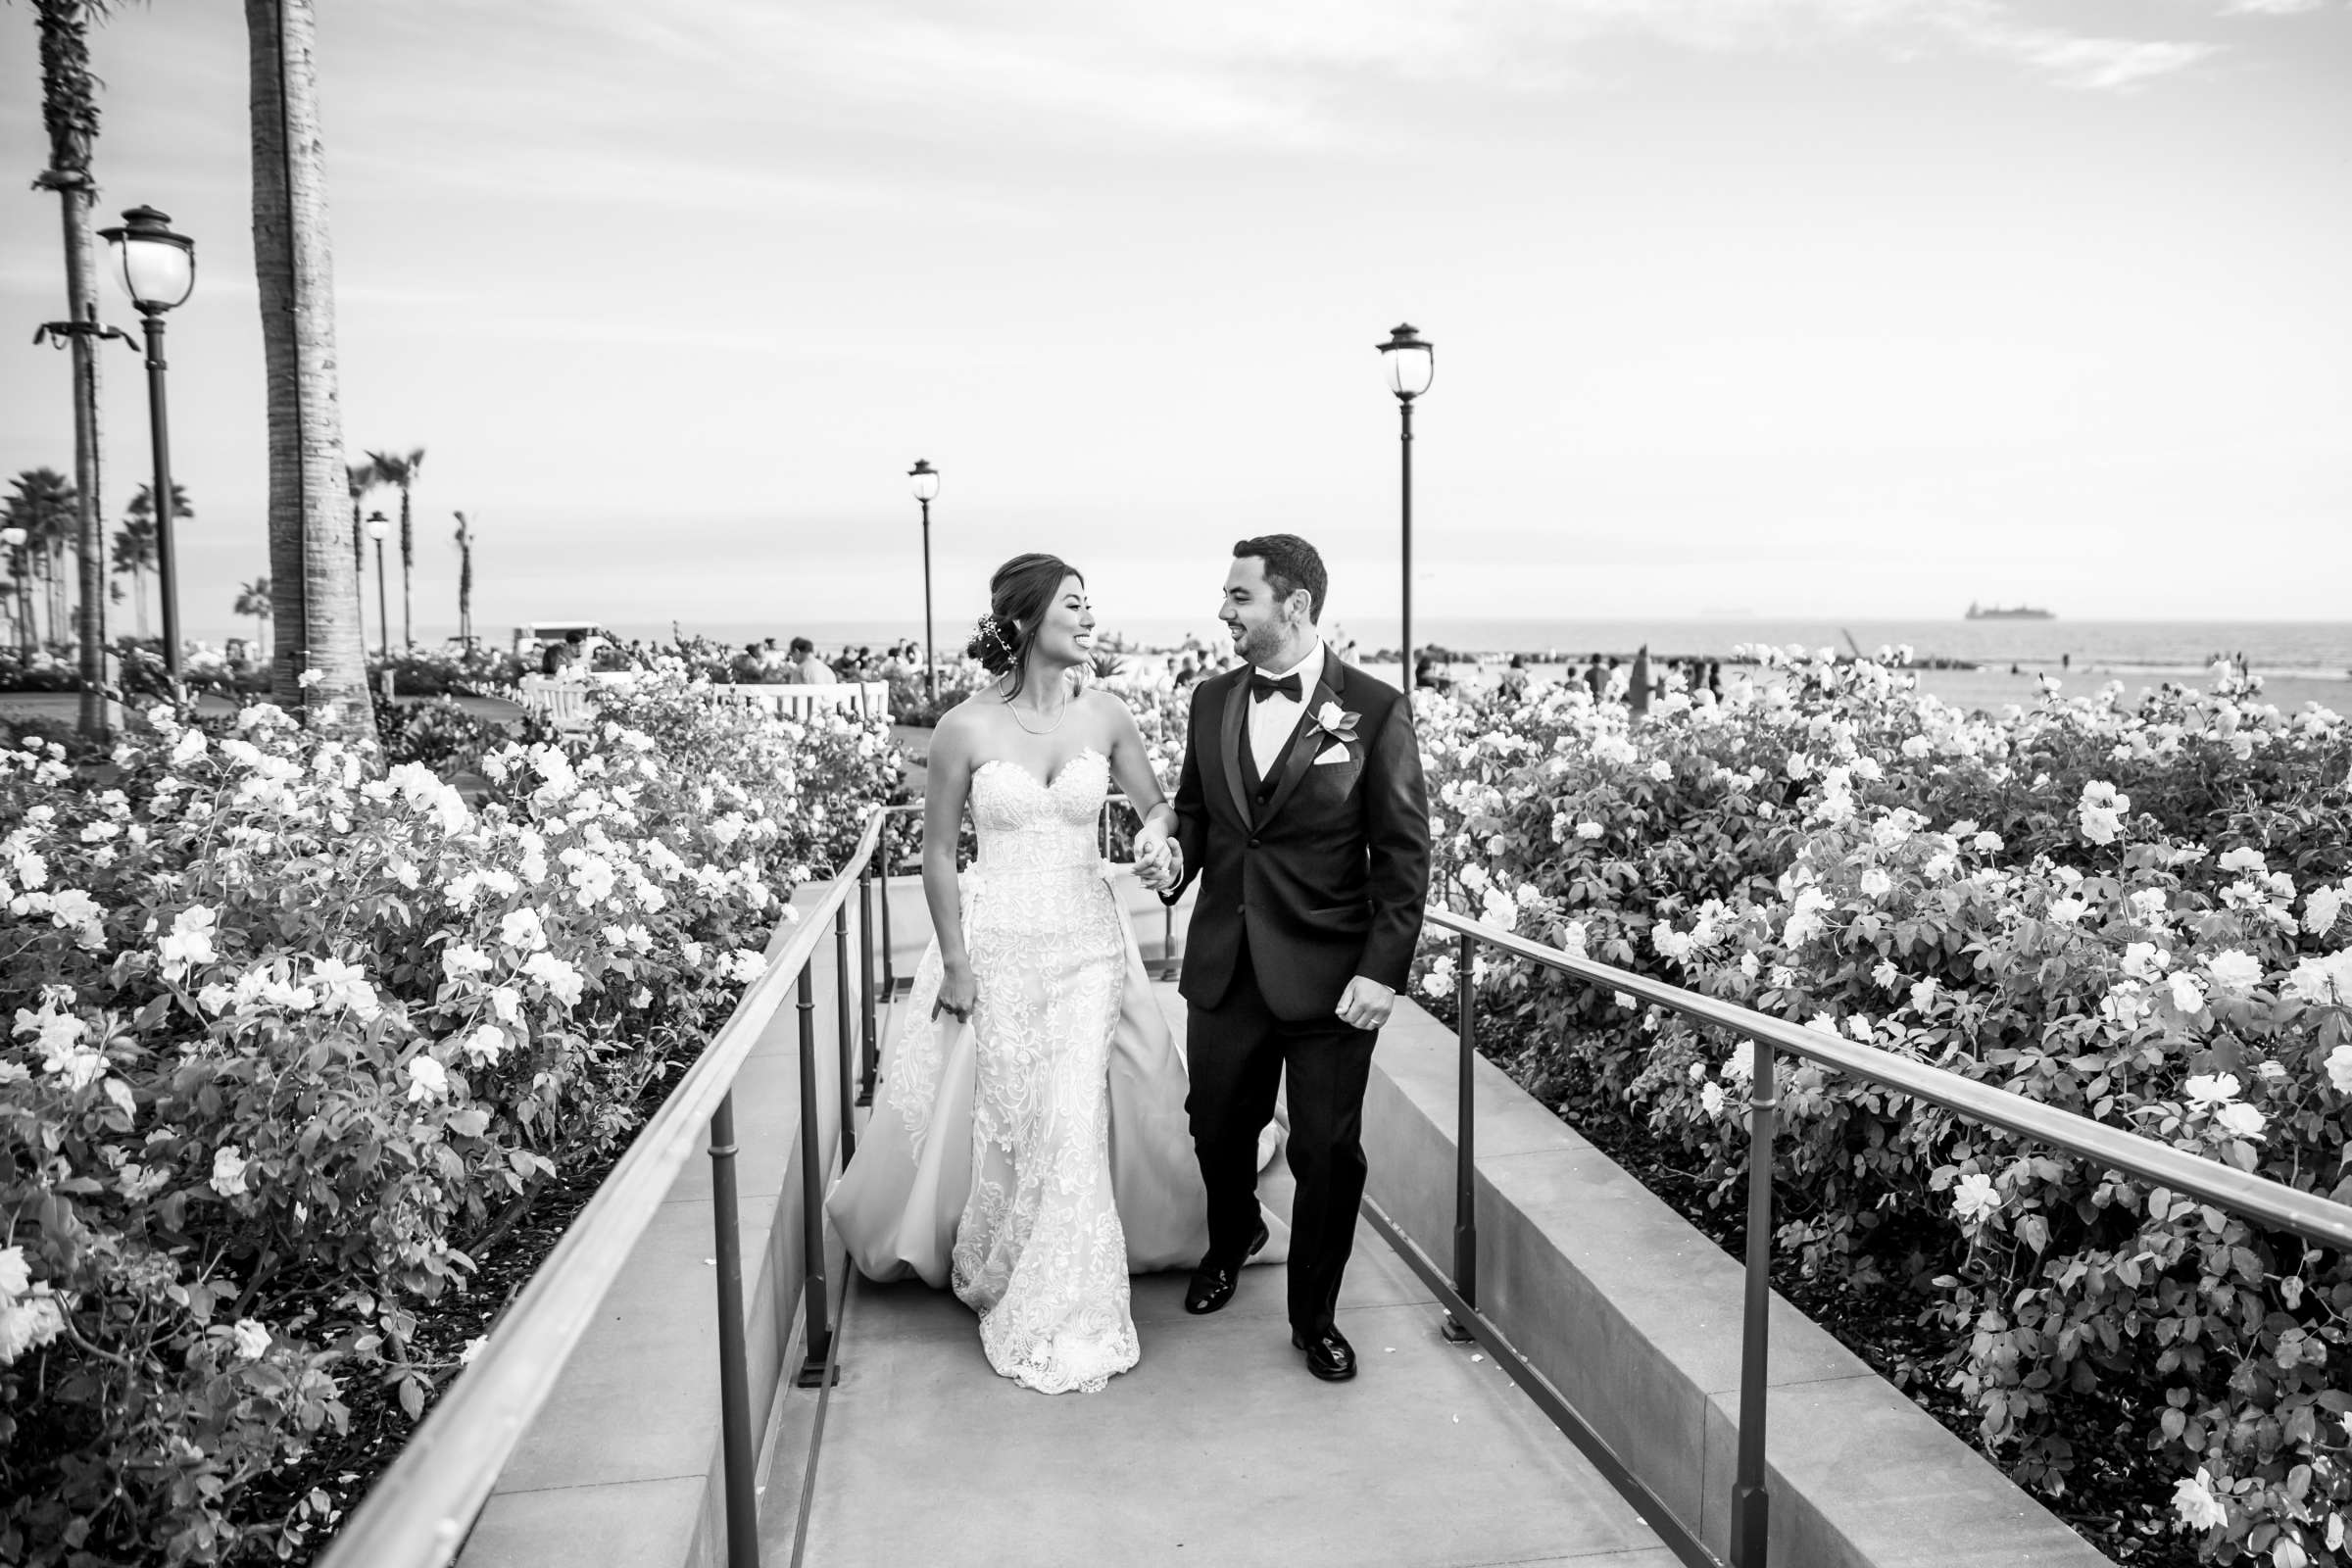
x: 1329, y: 1356
x: 1213, y: 1284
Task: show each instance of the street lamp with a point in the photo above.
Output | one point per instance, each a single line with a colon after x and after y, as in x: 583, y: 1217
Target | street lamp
x: 14, y: 538
x: 378, y: 528
x: 1410, y: 362
x: 156, y: 268
x: 927, y: 486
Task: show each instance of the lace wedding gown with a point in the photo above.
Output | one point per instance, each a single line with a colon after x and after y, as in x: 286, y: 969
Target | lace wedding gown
x: 1038, y: 1156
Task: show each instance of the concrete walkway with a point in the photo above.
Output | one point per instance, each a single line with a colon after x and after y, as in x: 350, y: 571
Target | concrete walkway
x: 1219, y: 1448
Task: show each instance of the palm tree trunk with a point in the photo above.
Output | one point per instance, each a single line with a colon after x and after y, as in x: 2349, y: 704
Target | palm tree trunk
x: 316, y: 606
x: 408, y: 558
x: 70, y: 109
x: 138, y: 588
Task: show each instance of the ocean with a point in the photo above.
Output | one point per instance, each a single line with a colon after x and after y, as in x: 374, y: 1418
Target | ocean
x: 2143, y: 649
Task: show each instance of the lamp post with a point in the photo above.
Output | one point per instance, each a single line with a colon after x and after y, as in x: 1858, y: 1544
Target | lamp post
x: 20, y: 612
x: 156, y: 268
x: 1410, y: 361
x: 378, y: 528
x: 927, y: 486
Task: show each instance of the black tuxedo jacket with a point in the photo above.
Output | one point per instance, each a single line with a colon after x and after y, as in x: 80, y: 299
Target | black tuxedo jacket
x: 1323, y: 874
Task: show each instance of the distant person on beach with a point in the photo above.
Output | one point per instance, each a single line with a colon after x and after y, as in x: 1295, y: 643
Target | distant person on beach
x: 562, y: 658
x: 748, y: 667
x: 805, y: 668
x: 1715, y: 678
x: 1597, y: 679
x: 1427, y: 676
x: 1513, y: 683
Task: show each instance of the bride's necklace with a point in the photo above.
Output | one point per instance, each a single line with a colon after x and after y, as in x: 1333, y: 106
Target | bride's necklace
x: 1025, y: 729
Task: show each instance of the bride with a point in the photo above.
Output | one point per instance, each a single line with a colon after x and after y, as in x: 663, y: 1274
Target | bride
x: 1029, y: 1143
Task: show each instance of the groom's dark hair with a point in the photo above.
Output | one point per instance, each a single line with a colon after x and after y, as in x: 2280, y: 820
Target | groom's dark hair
x: 1291, y: 563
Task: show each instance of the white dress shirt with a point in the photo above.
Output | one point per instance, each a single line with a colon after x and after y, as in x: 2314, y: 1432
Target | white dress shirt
x: 1273, y: 721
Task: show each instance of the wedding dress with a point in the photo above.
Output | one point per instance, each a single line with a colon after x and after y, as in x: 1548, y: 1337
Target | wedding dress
x: 1036, y: 1156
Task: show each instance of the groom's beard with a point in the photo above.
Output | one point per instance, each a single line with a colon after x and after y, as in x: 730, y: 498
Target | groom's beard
x: 1260, y: 645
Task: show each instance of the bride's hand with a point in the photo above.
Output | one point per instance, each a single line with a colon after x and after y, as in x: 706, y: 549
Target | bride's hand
x: 1156, y: 860
x: 958, y: 991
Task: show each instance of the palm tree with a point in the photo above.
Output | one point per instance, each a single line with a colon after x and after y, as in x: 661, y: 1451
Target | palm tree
x: 401, y: 471
x: 253, y: 599
x: 360, y: 477
x: 70, y: 110
x: 465, y: 582
x: 316, y: 582
x: 42, y: 504
x: 135, y: 542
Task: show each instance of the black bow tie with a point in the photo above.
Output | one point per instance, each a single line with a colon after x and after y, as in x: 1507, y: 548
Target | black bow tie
x: 1263, y: 686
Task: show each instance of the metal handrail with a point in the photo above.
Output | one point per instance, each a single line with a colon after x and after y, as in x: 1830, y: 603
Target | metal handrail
x: 2272, y: 1203
x: 419, y: 1511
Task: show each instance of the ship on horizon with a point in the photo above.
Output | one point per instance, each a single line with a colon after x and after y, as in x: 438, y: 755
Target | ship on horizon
x: 1977, y: 612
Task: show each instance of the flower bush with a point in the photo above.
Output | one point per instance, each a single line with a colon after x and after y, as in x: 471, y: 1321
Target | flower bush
x: 2133, y: 913
x: 290, y: 1028
x: 444, y: 671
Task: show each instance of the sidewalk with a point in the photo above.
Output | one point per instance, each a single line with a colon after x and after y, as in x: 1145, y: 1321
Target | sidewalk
x: 1219, y: 1448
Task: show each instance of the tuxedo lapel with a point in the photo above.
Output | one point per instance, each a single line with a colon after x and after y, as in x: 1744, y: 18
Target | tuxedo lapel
x: 1229, y: 747
x: 1305, y: 740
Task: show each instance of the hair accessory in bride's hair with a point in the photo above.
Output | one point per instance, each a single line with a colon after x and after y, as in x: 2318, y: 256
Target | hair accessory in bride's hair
x: 992, y: 642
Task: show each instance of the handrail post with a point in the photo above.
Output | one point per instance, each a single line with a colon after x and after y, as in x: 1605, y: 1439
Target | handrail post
x: 846, y: 1020
x: 1752, y: 1499
x: 865, y: 983
x: 816, y: 1293
x: 734, y: 1379
x: 890, y: 968
x: 1465, y: 1148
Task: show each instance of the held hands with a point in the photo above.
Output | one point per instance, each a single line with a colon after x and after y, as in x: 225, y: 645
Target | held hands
x: 1365, y: 1004
x: 957, y: 991
x: 1159, y: 862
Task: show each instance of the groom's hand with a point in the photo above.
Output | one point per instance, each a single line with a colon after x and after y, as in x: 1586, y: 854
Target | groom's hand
x: 1164, y: 870
x: 1365, y: 1004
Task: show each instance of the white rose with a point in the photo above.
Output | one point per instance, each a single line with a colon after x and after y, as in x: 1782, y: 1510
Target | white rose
x: 1974, y: 1199
x: 2211, y: 1090
x: 228, y: 1170
x: 251, y: 1341
x: 2188, y: 993
x: 2197, y: 1507
x: 2239, y: 1120
x: 2233, y: 970
x: 428, y: 1080
x: 2339, y: 1069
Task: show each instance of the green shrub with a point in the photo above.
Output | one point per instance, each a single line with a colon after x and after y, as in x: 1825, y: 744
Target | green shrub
x: 290, y: 1027
x: 2133, y: 913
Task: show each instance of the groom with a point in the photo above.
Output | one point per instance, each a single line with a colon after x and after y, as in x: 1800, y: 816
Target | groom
x: 1302, y: 812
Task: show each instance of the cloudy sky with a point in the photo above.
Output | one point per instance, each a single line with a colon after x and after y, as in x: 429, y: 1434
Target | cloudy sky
x: 1802, y: 307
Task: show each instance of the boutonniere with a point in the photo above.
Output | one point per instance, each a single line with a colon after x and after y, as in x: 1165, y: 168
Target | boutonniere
x: 1335, y: 721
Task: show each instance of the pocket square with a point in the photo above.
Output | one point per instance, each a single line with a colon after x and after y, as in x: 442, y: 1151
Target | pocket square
x: 1337, y: 754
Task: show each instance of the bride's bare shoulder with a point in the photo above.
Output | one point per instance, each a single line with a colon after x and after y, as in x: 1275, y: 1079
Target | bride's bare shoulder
x: 963, y: 728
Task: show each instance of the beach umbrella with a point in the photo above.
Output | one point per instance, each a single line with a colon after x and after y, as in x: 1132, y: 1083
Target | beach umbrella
x: 1638, y: 693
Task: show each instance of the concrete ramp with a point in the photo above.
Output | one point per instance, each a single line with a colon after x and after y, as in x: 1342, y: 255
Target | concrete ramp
x: 1218, y: 1449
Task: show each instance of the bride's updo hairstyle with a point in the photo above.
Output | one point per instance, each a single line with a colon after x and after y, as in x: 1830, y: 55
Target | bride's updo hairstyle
x: 1019, y: 597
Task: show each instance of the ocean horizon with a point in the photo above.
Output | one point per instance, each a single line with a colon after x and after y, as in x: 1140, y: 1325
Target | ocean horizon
x: 2157, y: 649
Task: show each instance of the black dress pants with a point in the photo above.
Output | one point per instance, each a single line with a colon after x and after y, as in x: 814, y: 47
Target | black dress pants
x: 1238, y: 1052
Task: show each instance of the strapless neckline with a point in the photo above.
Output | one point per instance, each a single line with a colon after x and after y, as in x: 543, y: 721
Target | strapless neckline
x: 1047, y: 785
